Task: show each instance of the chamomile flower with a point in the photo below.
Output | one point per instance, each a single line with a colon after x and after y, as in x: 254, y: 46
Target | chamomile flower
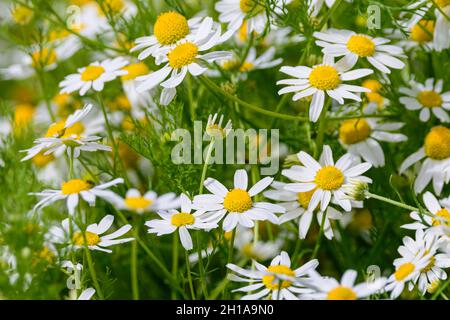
x: 150, y: 201
x: 436, y: 166
x: 183, y: 221
x: 326, y: 288
x: 237, y: 204
x: 296, y: 205
x: 277, y: 281
x: 259, y: 250
x: 129, y: 84
x: 360, y: 137
x: 186, y: 56
x: 94, y: 76
x: 440, y: 216
x: 325, y: 178
x: 428, y: 98
x: 217, y: 130
x: 73, y: 189
x: 328, y: 78
x: 427, y: 243
x: 354, y: 46
x: 67, y: 135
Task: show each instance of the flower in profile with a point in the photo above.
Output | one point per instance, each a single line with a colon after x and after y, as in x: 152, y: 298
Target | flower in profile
x: 328, y: 77
x: 183, y: 221
x: 237, y: 204
x: 436, y: 166
x: 428, y: 98
x: 150, y: 201
x: 94, y: 76
x: 74, y: 189
x: 326, y: 288
x: 217, y: 130
x: 277, y: 281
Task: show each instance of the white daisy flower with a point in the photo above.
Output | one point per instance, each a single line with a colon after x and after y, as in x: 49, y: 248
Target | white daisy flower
x: 436, y: 166
x: 182, y: 220
x: 150, y: 201
x: 296, y: 205
x: 326, y: 288
x: 440, y: 216
x: 72, y: 190
x: 259, y: 250
x: 360, y: 137
x: 94, y: 76
x: 93, y: 235
x: 237, y: 202
x: 325, y: 178
x: 353, y: 46
x: 277, y: 281
x: 427, y: 243
x: 426, y: 98
x: 420, y: 35
x: 184, y: 57
x: 217, y: 130
x: 129, y: 84
x: 67, y: 135
x: 328, y: 78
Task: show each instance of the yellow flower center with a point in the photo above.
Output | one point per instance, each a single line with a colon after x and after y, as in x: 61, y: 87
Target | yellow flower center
x: 44, y: 57
x: 46, y: 254
x: 91, y: 238
x: 443, y: 3
x: 75, y: 186
x: 135, y: 70
x: 182, y: 219
x: 354, y: 130
x: 443, y: 217
x: 341, y: 293
x: 136, y: 203
x: 248, y: 6
x: 361, y: 45
x: 170, y: 27
x: 237, y: 200
x: 235, y: 65
x: 272, y: 283
x: 22, y: 15
x: 92, y: 73
x: 324, y: 78
x: 329, y: 178
x: 429, y: 99
x: 182, y: 55
x: 422, y: 31
x: 23, y: 115
x: 40, y: 160
x: 404, y: 271
x: 57, y: 130
x: 305, y: 197
x: 116, y: 6
x: 372, y: 84
x: 58, y: 34
x: 437, y: 143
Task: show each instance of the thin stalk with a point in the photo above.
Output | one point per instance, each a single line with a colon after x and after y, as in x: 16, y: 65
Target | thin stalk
x: 319, y: 237
x: 395, y: 203
x: 109, y: 130
x: 134, y: 265
x: 92, y: 268
x: 174, y: 261
x: 188, y: 269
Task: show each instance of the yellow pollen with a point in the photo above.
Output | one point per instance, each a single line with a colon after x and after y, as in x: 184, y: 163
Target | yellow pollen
x: 248, y: 6
x: 329, y: 178
x: 182, y: 219
x: 237, y: 200
x: 137, y: 203
x: 354, y: 130
x: 92, y: 73
x: 404, y: 271
x: 40, y: 160
x: 182, y: 55
x: 372, y: 84
x: 361, y: 45
x: 442, y: 217
x: 423, y: 31
x: 324, y: 78
x: 429, y: 99
x: 170, y: 27
x: 305, y: 197
x: 272, y: 283
x: 437, y: 143
x: 443, y: 3
x: 341, y: 293
x: 44, y: 57
x: 135, y: 70
x: 23, y: 115
x: 22, y: 15
x: 91, y: 238
x: 75, y: 186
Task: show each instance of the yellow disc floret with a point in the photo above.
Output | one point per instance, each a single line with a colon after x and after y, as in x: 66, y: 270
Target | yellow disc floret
x: 135, y: 70
x: 429, y: 99
x: 361, y: 45
x: 170, y: 27
x: 329, y: 178
x: 23, y: 115
x: 44, y: 57
x: 272, y: 283
x: 182, y: 55
x: 422, y: 31
x: 137, y: 203
x: 341, y: 293
x: 404, y: 271
x: 442, y: 217
x: 41, y: 160
x: 324, y: 77
x: 92, y: 73
x: 182, y: 219
x: 75, y: 186
x: 22, y: 15
x: 354, y: 130
x: 91, y: 238
x: 237, y: 200
x: 304, y: 198
x: 437, y: 143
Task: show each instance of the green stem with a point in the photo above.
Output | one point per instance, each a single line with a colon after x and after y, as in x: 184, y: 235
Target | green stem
x: 441, y: 290
x: 395, y: 203
x: 92, y: 268
x: 174, y: 261
x: 134, y: 266
x: 188, y: 269
x: 319, y: 237
x: 329, y: 14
